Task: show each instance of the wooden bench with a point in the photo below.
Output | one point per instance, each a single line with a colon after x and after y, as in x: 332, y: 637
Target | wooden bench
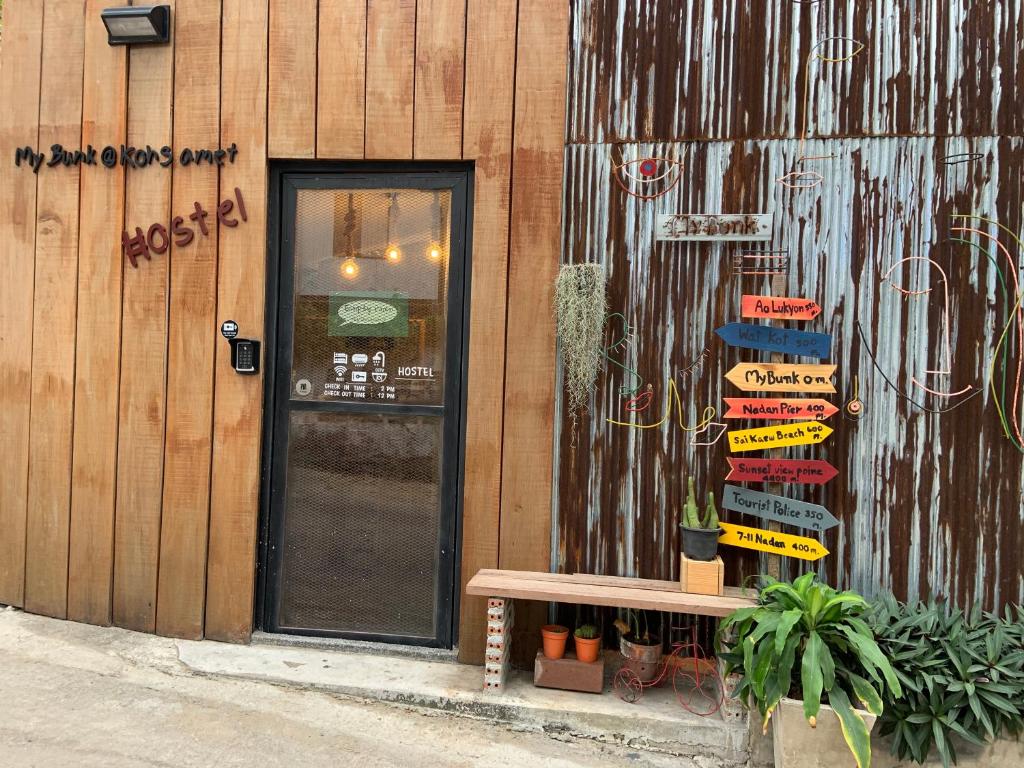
x: 502, y: 587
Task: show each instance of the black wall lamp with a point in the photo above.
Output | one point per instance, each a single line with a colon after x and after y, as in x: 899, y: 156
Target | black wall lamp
x: 137, y: 24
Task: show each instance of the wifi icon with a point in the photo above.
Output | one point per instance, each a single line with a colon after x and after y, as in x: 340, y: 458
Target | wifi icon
x: 339, y: 371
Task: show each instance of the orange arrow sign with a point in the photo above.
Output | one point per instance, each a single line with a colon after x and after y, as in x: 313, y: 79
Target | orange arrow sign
x: 799, y: 409
x: 782, y: 377
x: 779, y: 308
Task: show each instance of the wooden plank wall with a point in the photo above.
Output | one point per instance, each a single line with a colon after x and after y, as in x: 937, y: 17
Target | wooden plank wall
x: 135, y: 447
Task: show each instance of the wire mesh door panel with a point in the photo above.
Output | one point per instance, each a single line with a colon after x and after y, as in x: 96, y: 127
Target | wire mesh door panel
x: 366, y: 417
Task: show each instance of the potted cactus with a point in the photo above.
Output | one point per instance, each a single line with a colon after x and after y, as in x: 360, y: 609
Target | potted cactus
x: 700, y: 535
x: 588, y: 642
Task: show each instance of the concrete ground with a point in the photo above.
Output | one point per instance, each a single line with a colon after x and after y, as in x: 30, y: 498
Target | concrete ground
x: 76, y: 695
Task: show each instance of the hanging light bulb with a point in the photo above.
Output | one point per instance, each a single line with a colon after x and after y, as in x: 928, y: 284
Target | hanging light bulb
x: 434, y: 252
x: 393, y: 254
x: 349, y: 268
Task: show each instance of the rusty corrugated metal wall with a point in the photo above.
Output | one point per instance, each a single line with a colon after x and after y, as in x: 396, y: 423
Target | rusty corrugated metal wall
x: 927, y: 501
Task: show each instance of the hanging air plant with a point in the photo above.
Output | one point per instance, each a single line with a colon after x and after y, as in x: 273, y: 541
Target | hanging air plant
x: 580, y: 308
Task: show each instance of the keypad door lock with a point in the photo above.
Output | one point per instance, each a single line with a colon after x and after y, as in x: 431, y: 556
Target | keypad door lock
x: 245, y: 356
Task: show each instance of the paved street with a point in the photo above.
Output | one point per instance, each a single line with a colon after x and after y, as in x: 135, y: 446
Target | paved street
x: 73, y: 695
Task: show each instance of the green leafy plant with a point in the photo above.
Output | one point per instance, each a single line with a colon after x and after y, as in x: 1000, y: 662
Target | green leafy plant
x: 587, y: 632
x: 806, y: 640
x: 635, y: 628
x: 962, y: 674
x: 691, y: 514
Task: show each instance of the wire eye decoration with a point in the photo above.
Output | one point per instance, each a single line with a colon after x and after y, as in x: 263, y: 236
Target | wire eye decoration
x: 804, y: 178
x: 649, y: 177
x: 962, y: 158
x: 854, y: 407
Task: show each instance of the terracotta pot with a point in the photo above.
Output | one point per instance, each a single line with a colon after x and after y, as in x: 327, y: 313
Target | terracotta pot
x: 644, y: 660
x: 587, y: 649
x: 554, y: 636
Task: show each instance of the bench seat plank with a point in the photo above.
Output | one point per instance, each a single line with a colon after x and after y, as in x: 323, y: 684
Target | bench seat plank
x: 612, y: 591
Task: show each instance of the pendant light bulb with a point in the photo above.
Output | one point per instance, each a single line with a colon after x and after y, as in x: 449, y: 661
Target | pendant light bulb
x: 349, y: 268
x: 393, y: 254
x: 434, y: 252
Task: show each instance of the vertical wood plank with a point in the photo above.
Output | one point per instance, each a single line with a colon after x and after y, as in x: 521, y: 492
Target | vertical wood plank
x: 490, y: 80
x: 390, y: 59
x: 341, y: 80
x: 192, y: 332
x: 98, y: 344
x: 292, y: 83
x: 241, y: 269
x: 140, y: 445
x: 440, y: 64
x: 535, y: 243
x: 53, y: 328
x: 19, y: 111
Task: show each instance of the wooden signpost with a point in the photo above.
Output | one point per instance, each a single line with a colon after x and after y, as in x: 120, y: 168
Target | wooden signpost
x: 783, y: 340
x: 775, y: 409
x: 773, y: 542
x: 811, y: 471
x: 782, y: 377
x: 778, y: 508
x: 713, y: 226
x: 778, y: 308
x: 779, y: 436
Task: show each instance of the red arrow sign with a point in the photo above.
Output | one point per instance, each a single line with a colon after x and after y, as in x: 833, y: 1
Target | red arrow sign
x: 801, y: 409
x: 779, y: 308
x: 815, y: 472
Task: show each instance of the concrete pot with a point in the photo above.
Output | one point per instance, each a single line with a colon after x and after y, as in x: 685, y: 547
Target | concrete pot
x: 797, y: 745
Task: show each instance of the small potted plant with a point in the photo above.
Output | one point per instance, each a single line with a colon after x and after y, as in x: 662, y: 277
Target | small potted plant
x: 640, y: 648
x: 700, y: 537
x: 588, y: 643
x: 554, y: 637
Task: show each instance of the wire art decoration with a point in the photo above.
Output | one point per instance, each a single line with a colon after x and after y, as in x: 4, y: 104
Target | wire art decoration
x: 854, y: 407
x: 642, y: 401
x: 1008, y: 403
x: 695, y: 679
x: 694, y: 368
x: 645, y: 173
x: 619, y: 346
x: 804, y: 178
x: 961, y: 158
x: 672, y: 403
x: 946, y: 352
x: 714, y: 431
x: 758, y: 263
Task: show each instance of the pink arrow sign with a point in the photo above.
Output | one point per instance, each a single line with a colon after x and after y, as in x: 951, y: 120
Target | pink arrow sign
x: 815, y: 471
x: 779, y: 307
x: 776, y: 408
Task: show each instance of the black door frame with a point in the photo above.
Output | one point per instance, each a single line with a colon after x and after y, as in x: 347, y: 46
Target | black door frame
x: 280, y: 234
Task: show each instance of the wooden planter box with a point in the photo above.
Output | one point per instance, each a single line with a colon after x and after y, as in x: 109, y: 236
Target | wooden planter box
x: 702, y: 577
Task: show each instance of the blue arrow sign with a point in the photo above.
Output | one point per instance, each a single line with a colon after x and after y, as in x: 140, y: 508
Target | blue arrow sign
x: 770, y: 339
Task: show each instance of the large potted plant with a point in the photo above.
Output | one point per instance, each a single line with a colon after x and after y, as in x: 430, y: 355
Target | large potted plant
x: 962, y: 676
x: 700, y: 536
x: 804, y: 640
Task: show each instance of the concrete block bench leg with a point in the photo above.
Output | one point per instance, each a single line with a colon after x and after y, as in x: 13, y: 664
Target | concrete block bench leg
x: 499, y: 640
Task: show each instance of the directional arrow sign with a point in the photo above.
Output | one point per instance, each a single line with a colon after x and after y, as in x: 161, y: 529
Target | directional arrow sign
x: 769, y: 339
x: 772, y: 541
x: 779, y: 436
x: 779, y: 308
x: 782, y: 377
x: 778, y: 508
x: 777, y: 409
x: 815, y: 472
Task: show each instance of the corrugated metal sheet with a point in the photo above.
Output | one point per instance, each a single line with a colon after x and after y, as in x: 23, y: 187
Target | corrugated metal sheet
x: 927, y: 502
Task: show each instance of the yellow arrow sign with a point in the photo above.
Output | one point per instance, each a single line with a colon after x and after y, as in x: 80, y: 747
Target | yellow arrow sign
x: 782, y: 377
x: 801, y: 433
x: 772, y: 541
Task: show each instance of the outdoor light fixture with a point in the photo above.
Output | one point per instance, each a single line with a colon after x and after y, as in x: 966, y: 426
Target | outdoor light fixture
x: 349, y: 268
x: 137, y: 24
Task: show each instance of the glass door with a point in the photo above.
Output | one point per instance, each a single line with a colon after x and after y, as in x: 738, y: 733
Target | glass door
x: 363, y: 502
